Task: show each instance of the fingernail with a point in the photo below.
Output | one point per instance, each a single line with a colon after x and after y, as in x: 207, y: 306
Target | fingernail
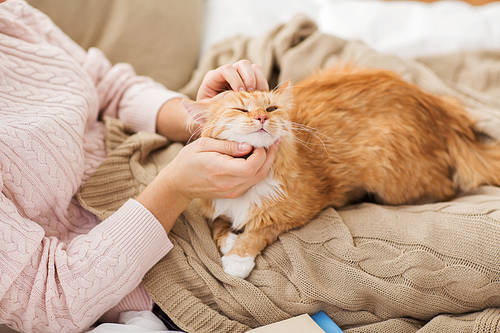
x: 251, y: 89
x: 243, y: 146
x: 242, y: 89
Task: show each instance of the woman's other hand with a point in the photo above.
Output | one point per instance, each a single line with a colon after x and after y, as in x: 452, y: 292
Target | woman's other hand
x: 206, y: 168
x: 240, y: 76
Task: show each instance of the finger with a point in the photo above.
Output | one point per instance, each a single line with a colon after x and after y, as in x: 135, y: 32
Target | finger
x: 212, y: 84
x: 270, y: 156
x: 249, y: 170
x: 220, y: 79
x: 262, y: 83
x: 250, y: 166
x: 223, y: 147
x: 246, y: 72
x: 231, y: 75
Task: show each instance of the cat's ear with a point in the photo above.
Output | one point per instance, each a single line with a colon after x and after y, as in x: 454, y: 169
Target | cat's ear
x: 285, y: 93
x: 197, y: 111
x: 285, y: 90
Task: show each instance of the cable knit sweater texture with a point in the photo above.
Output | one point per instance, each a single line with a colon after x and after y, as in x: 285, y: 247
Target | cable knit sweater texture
x: 60, y: 269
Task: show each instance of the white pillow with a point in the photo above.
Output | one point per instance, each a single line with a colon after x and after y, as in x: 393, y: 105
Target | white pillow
x: 405, y: 28
x: 410, y: 28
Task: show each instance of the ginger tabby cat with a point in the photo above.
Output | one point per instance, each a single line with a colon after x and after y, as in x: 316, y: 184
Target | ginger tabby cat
x: 344, y: 133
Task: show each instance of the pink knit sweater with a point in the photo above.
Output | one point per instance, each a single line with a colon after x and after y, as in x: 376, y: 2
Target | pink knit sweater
x: 60, y: 269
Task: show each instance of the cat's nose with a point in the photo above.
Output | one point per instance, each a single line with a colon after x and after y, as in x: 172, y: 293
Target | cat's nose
x: 262, y: 118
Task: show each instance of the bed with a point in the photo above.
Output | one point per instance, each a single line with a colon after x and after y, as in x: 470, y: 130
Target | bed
x: 404, y: 28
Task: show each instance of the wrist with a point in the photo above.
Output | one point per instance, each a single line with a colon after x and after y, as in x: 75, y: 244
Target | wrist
x: 173, y: 121
x: 164, y: 200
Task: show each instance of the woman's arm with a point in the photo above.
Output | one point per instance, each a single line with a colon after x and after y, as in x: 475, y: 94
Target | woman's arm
x: 122, y: 94
x: 173, y: 122
x: 205, y: 169
x: 47, y: 285
x: 50, y: 285
x: 140, y: 102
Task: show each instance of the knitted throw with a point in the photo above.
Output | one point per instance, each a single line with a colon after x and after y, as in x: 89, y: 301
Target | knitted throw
x: 372, y: 268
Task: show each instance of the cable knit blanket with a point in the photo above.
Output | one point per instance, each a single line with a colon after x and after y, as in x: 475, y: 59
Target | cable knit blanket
x: 372, y: 268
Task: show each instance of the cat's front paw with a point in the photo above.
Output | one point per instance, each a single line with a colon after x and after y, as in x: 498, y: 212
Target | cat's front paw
x: 238, y: 266
x: 228, y: 242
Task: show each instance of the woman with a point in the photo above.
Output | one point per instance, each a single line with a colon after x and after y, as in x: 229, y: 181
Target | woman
x: 60, y: 269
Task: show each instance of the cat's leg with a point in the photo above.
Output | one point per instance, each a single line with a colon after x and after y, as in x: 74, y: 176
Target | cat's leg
x: 240, y: 260
x: 222, y: 234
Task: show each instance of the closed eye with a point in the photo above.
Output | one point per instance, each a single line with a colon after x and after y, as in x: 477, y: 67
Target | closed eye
x: 240, y: 109
x: 271, y: 108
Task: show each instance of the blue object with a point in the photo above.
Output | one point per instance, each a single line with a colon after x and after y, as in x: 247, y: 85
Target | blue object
x: 325, y: 322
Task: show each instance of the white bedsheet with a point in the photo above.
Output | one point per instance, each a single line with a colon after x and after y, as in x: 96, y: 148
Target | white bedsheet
x: 134, y: 322
x: 405, y: 28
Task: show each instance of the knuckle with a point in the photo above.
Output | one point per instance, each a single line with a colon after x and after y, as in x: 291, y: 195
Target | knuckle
x: 203, y: 142
x: 261, y: 175
x: 211, y: 73
x: 233, y: 194
x: 224, y: 188
x: 229, y: 147
x: 225, y: 67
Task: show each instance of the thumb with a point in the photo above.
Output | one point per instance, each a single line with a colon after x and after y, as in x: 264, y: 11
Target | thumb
x: 231, y: 148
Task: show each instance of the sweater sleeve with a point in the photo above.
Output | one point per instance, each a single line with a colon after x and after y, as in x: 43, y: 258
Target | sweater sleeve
x: 134, y: 99
x: 50, y: 286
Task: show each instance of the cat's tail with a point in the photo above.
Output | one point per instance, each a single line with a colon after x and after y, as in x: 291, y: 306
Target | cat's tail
x: 475, y: 163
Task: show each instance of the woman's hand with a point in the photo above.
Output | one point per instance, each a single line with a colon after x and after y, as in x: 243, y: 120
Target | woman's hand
x: 240, y: 76
x: 206, y: 168
x: 172, y: 118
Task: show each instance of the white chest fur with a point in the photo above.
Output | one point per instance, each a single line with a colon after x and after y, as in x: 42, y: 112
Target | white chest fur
x: 237, y: 209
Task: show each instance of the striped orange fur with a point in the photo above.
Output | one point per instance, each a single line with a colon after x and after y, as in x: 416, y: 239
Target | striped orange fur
x: 345, y: 133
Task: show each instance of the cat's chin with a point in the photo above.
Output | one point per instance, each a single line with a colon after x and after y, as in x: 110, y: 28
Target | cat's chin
x: 260, y: 140
x: 255, y: 139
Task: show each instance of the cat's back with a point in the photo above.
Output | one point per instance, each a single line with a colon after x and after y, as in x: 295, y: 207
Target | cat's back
x: 357, y: 106
x: 365, y: 94
x: 351, y: 120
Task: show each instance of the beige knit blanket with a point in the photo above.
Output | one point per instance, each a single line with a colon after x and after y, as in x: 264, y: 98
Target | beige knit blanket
x: 372, y: 268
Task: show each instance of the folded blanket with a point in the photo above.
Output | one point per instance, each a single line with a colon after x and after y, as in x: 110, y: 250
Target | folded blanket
x: 372, y: 268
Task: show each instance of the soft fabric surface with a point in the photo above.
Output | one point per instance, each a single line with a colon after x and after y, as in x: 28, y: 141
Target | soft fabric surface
x: 431, y: 268
x: 60, y: 267
x: 160, y: 39
x: 406, y: 28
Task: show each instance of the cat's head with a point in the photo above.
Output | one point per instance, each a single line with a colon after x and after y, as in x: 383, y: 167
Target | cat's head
x: 258, y: 118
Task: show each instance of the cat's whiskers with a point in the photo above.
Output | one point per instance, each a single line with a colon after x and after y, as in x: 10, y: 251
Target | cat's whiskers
x: 309, y: 128
x: 301, y: 127
x: 199, y: 129
x: 307, y: 145
x: 194, y: 134
x: 189, y: 128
